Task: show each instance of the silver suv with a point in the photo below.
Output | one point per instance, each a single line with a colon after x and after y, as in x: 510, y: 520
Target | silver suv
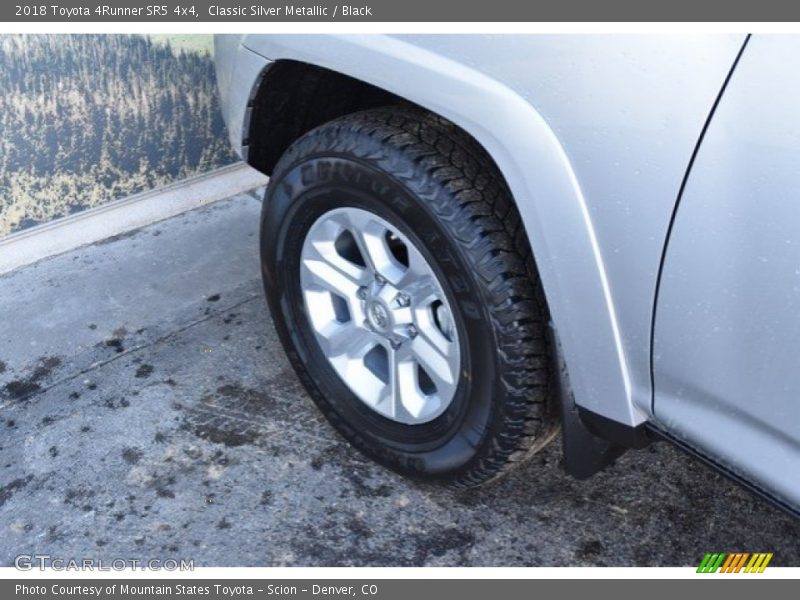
x: 470, y: 241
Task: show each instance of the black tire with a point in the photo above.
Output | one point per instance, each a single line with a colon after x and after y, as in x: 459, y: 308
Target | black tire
x: 433, y: 182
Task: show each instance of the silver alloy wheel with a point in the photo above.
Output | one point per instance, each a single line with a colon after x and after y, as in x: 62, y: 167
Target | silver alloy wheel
x: 380, y: 315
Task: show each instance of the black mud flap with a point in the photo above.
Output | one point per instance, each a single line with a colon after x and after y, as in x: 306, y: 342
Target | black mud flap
x: 591, y: 442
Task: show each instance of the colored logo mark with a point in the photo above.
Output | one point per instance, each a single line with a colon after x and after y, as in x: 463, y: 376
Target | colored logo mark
x: 735, y: 562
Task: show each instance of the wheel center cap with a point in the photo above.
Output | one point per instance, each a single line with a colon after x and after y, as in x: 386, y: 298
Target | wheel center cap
x: 378, y: 316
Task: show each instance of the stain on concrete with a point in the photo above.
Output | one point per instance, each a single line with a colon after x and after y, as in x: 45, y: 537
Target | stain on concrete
x: 589, y: 550
x: 249, y: 399
x: 79, y: 498
x: 53, y: 535
x: 45, y: 367
x: 438, y: 543
x: 363, y: 488
x: 132, y: 455
x: 22, y: 388
x: 117, y: 340
x: 218, y: 435
x: 50, y: 419
x: 116, y: 344
x: 8, y: 490
x: 19, y: 389
x: 2, y: 367
x: 162, y: 487
x: 214, y: 298
x: 347, y: 539
x: 144, y: 371
x: 116, y: 238
x: 230, y: 415
x: 115, y: 402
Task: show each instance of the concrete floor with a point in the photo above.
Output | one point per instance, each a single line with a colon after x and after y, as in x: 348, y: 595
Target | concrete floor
x: 148, y: 412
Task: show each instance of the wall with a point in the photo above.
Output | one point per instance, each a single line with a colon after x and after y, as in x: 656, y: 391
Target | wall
x: 85, y: 119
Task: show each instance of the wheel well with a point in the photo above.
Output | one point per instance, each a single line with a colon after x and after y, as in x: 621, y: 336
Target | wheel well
x: 295, y: 97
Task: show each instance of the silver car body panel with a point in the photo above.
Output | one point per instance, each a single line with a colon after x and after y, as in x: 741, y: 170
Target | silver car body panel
x: 593, y: 135
x: 726, y: 363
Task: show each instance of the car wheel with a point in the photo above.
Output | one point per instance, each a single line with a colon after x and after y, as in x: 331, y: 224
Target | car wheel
x: 404, y: 292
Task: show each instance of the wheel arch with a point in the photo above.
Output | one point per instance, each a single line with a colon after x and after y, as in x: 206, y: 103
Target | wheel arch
x: 513, y: 133
x: 294, y: 97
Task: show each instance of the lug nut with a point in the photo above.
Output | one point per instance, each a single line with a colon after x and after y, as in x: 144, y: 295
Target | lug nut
x: 379, y: 279
x: 403, y: 299
x: 361, y: 293
x: 412, y: 332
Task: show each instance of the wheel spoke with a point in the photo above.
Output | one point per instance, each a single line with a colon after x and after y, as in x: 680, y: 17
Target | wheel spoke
x: 330, y: 274
x: 418, y: 267
x: 370, y: 235
x: 402, y: 394
x: 437, y: 362
x: 347, y: 340
x: 422, y: 289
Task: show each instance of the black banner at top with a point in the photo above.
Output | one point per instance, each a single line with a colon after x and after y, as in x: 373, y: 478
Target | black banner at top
x: 155, y: 11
